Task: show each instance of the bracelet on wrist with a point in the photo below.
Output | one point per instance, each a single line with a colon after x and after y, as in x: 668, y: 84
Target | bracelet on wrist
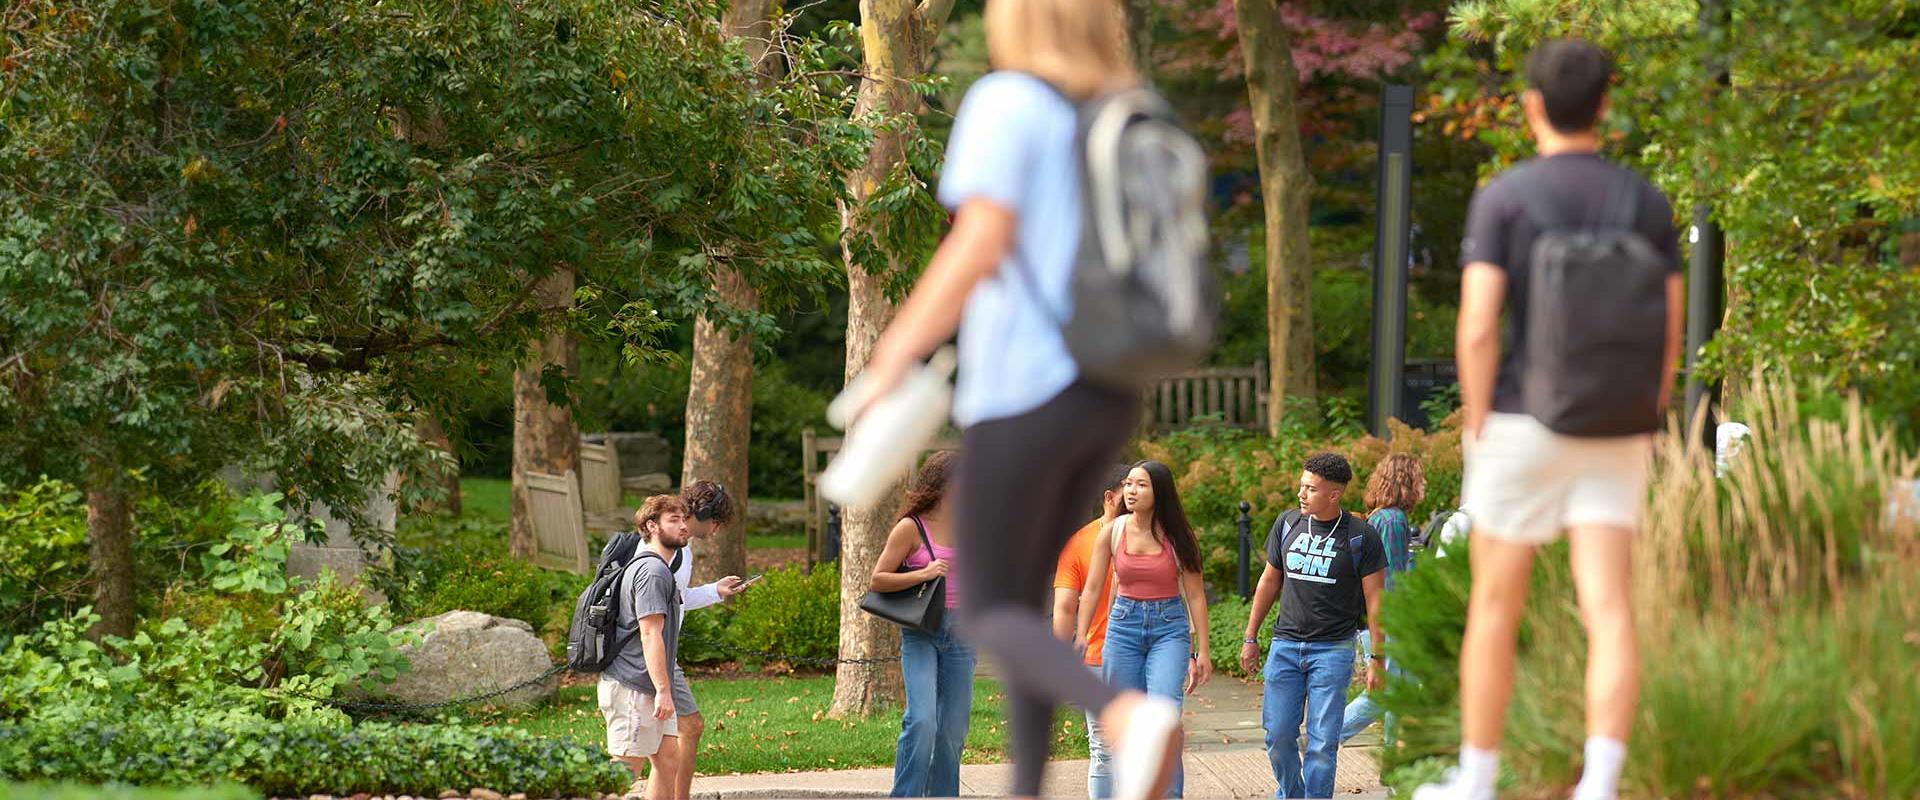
x: 1250, y: 640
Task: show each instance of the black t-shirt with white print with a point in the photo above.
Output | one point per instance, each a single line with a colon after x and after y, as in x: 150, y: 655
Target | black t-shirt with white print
x: 1321, y: 595
x: 1573, y: 188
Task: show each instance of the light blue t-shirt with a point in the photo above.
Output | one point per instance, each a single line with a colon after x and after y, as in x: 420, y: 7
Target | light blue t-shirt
x: 1013, y: 144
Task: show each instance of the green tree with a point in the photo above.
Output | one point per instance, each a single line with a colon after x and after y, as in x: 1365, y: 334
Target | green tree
x: 1810, y: 160
x: 266, y: 233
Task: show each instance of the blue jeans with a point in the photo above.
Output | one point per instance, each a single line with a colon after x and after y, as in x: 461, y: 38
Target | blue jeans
x: 1313, y: 676
x: 1362, y: 711
x: 1099, y: 761
x: 938, y: 668
x: 1148, y: 649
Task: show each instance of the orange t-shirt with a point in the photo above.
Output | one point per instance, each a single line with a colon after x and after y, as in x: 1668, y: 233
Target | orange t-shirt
x: 1072, y: 574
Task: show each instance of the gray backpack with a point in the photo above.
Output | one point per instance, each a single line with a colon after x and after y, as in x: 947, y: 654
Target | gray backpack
x: 1145, y: 299
x: 1596, y: 321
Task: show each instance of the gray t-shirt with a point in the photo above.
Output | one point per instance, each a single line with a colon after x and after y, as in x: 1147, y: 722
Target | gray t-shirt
x: 646, y: 589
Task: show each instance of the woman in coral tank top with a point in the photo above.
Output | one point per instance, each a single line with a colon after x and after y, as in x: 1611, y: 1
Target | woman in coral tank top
x: 1157, y: 627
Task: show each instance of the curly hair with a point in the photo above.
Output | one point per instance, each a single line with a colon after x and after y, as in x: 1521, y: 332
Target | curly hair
x: 929, y: 484
x: 1398, y: 482
x: 654, y: 508
x: 1331, y: 467
x: 709, y: 501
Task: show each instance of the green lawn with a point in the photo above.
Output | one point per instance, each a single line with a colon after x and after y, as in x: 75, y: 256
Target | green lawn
x: 488, y: 498
x: 788, y: 541
x: 779, y: 724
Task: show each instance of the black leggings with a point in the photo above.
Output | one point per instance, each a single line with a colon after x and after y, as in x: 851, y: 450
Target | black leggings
x: 1026, y: 484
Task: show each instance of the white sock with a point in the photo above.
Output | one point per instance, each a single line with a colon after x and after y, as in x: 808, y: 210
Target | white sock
x: 1478, y: 769
x: 1601, y: 778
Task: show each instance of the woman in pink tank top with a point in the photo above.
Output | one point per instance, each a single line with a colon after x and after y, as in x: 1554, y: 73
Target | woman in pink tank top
x: 938, y: 667
x: 1157, y: 626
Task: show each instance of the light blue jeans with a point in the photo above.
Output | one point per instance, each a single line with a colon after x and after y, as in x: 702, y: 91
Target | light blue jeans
x: 1148, y: 649
x: 1312, y: 676
x: 1362, y: 711
x: 1099, y: 761
x: 938, y: 668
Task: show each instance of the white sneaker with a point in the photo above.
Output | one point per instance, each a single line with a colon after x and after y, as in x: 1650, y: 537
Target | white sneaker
x: 1140, y: 763
x: 1449, y: 788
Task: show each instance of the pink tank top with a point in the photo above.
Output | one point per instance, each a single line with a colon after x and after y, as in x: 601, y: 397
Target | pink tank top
x: 1154, y: 577
x: 918, y: 558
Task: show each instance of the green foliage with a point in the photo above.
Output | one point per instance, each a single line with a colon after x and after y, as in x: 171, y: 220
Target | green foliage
x: 76, y: 791
x: 299, y: 756
x: 1227, y: 624
x: 270, y: 233
x: 1217, y: 469
x: 1781, y: 602
x: 496, y: 585
x: 43, y: 551
x: 790, y: 611
x: 1809, y: 159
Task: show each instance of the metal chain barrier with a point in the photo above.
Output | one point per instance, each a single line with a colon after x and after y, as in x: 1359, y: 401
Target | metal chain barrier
x: 763, y: 655
x: 731, y: 651
x: 415, y: 708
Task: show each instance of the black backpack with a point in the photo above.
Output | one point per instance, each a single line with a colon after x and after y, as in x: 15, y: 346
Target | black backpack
x: 594, y: 637
x: 1431, y: 533
x: 1145, y: 299
x: 1596, y: 321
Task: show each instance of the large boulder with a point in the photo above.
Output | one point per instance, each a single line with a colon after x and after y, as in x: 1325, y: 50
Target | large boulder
x: 464, y: 653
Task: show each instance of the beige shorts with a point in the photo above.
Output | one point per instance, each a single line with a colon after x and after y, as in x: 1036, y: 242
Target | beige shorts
x: 632, y: 732
x: 1524, y: 483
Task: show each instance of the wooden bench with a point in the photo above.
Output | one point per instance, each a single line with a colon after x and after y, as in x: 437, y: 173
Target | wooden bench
x: 1232, y: 396
x: 559, y: 523
x: 815, y: 451
x: 600, y: 489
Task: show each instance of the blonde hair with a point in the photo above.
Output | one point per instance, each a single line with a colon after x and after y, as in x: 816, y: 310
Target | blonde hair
x: 1395, y: 483
x: 1077, y: 45
x: 654, y: 508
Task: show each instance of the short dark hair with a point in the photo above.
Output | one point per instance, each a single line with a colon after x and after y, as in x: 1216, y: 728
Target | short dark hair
x: 1116, y: 475
x: 708, y: 502
x: 1571, y: 76
x: 1331, y: 467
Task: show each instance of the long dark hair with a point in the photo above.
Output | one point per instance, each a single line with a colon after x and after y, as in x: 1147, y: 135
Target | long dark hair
x: 929, y: 484
x: 1170, y: 516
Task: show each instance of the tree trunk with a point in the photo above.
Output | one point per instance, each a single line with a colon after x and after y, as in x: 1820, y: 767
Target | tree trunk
x: 110, y: 552
x: 1272, y: 92
x: 429, y: 429
x: 545, y: 438
x: 720, y: 422
x: 896, y: 39
x: 720, y: 389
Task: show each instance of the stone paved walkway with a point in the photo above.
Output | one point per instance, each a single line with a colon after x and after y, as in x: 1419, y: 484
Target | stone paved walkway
x: 1225, y: 759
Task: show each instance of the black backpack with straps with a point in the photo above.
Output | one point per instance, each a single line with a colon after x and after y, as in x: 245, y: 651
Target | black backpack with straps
x: 594, y: 637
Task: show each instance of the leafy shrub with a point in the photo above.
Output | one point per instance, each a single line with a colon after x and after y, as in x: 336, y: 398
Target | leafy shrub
x: 1216, y: 469
x: 1226, y: 623
x: 790, y: 612
x: 75, y: 791
x: 497, y: 585
x: 43, y: 554
x: 299, y: 756
x: 1777, y: 606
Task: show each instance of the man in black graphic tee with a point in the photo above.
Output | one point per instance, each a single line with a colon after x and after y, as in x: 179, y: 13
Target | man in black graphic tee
x: 1328, y: 568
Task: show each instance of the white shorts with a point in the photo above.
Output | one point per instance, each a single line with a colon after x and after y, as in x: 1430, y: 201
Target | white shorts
x: 632, y: 732
x: 1525, y: 484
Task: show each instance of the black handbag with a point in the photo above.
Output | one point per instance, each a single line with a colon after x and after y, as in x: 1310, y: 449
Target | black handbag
x: 922, y: 606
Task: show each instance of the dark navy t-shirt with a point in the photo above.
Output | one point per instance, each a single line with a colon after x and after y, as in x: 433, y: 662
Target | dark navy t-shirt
x: 1572, y: 188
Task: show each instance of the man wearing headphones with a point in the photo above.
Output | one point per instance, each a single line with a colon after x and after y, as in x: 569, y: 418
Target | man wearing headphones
x: 709, y: 509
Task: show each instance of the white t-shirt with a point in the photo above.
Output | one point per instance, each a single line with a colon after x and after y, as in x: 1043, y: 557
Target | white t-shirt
x: 1013, y: 144
x: 692, y: 597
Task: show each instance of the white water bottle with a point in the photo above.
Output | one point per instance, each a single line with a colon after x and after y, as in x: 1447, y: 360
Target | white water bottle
x: 882, y: 445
